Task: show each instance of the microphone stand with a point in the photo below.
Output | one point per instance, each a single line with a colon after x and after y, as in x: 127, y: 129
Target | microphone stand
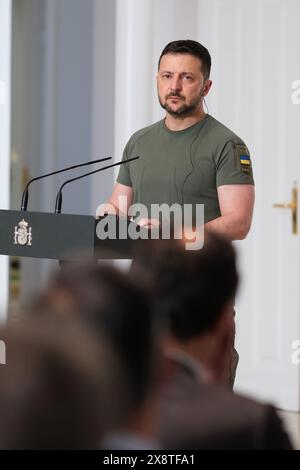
x: 58, y: 202
x: 24, y: 202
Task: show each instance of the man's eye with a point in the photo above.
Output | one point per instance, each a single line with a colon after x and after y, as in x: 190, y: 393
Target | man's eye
x: 166, y: 75
x: 188, y: 78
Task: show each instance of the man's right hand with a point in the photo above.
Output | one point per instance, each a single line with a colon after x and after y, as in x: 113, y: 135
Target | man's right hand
x: 149, y: 223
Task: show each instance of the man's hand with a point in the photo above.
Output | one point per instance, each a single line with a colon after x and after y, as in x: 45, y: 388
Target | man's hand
x: 148, y: 223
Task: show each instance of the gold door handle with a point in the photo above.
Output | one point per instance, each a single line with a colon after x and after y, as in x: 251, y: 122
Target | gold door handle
x: 285, y: 206
x: 293, y: 205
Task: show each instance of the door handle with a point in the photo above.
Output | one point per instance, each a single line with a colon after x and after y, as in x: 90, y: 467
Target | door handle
x: 293, y: 205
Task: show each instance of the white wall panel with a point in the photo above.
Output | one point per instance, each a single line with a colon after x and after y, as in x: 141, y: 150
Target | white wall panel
x: 5, y: 66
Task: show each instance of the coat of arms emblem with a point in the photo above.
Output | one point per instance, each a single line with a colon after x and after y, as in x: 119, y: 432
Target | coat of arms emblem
x: 22, y: 235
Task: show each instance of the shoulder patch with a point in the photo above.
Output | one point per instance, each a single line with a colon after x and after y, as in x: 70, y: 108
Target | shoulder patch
x: 243, y: 158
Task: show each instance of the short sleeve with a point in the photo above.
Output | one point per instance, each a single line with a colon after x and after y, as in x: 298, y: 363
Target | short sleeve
x: 124, y: 173
x: 233, y: 164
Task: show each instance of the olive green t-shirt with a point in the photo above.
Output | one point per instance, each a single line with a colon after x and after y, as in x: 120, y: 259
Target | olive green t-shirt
x: 185, y: 167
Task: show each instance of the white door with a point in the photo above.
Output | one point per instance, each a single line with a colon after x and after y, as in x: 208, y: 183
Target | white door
x: 269, y: 304
x: 269, y: 310
x: 256, y: 52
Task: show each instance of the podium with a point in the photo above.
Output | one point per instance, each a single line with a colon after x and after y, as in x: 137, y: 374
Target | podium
x: 65, y: 237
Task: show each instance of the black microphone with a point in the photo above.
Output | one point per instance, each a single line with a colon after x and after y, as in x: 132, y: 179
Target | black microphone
x: 59, y: 194
x: 25, y: 193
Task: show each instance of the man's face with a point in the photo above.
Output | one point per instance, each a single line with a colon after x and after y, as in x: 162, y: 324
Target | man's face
x: 180, y: 84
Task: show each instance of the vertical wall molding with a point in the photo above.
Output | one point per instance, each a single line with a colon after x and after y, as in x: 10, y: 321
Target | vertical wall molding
x: 5, y: 135
x: 133, y: 80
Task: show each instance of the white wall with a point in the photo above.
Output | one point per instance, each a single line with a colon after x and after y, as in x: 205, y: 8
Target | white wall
x: 68, y: 88
x: 143, y: 28
x: 5, y: 64
x: 63, y: 106
x: 103, y: 96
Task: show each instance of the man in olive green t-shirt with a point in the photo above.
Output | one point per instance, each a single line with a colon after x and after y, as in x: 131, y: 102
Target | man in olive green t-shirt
x: 186, y: 166
x: 188, y: 157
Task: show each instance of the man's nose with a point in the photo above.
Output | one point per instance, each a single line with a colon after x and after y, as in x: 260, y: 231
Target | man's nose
x: 175, y: 85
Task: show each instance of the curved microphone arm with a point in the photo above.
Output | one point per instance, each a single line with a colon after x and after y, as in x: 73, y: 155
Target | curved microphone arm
x: 24, y: 202
x: 58, y: 202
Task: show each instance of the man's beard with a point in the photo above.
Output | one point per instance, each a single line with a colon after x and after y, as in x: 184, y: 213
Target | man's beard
x: 184, y: 110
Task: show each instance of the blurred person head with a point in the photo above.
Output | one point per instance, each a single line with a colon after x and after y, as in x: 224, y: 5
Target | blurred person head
x: 111, y: 304
x: 195, y: 291
x: 54, y: 387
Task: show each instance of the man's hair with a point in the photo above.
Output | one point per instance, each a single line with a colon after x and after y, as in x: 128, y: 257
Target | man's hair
x: 113, y: 306
x: 194, y: 48
x: 191, y: 287
x: 54, y: 387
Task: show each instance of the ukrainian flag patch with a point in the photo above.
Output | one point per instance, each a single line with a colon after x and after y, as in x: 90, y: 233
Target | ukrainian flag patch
x: 243, y: 158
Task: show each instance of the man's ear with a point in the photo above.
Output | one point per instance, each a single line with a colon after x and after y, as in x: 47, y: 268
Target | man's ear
x: 207, y: 86
x: 168, y: 367
x: 223, y: 337
x: 225, y: 324
x: 169, y: 343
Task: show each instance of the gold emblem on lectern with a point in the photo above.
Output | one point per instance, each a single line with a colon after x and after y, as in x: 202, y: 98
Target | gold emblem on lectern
x: 22, y: 235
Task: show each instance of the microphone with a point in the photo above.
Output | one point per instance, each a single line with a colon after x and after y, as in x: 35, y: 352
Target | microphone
x: 25, y: 192
x: 58, y: 202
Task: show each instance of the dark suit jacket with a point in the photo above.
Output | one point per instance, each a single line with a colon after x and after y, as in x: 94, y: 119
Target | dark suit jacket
x: 198, y: 416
